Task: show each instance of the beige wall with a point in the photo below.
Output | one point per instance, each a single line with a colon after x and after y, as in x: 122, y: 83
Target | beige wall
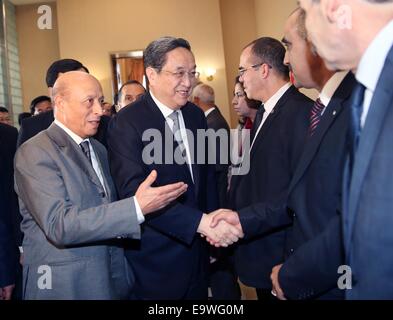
x: 271, y: 16
x: 239, y: 28
x: 37, y: 50
x: 90, y: 29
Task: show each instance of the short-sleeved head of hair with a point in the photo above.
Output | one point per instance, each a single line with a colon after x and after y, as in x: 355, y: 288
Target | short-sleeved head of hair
x: 62, y: 66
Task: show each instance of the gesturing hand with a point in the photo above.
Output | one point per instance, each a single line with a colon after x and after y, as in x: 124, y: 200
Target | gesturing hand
x: 151, y: 199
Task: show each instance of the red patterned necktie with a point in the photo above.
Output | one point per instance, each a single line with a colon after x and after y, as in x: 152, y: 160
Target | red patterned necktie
x: 315, y: 116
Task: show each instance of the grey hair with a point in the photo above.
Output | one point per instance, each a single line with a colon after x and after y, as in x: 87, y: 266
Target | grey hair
x: 204, y: 92
x: 155, y: 55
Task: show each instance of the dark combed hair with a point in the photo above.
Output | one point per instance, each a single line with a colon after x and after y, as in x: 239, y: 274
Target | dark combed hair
x: 253, y: 104
x: 36, y: 101
x: 62, y: 66
x: 119, y: 94
x: 155, y: 55
x: 3, y: 109
x: 272, y: 52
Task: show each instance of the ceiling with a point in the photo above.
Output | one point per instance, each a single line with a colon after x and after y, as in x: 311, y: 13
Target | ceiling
x: 22, y: 2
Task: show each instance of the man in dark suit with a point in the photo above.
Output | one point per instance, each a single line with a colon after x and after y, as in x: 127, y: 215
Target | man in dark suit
x: 171, y: 261
x: 203, y: 97
x: 368, y: 177
x: 31, y: 126
x: 223, y: 279
x: 8, y: 211
x: 314, y: 200
x: 277, y: 139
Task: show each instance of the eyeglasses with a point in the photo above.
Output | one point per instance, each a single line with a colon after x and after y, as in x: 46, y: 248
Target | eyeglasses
x: 242, y: 71
x: 239, y: 94
x: 192, y: 75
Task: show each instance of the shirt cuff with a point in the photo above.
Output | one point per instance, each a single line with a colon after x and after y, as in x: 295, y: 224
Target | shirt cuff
x: 139, y: 214
x: 20, y: 249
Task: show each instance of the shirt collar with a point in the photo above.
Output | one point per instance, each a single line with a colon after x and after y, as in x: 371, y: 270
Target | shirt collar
x: 271, y: 103
x: 207, y: 112
x: 331, y: 86
x: 73, y: 135
x: 166, y: 111
x: 373, y: 60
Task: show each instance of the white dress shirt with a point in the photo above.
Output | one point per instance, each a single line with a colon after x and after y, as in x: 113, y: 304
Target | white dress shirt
x: 207, y: 112
x: 330, y: 88
x: 96, y: 165
x: 371, y: 65
x: 269, y: 106
x: 166, y: 112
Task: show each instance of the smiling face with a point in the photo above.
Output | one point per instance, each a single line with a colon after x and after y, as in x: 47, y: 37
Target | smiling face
x: 167, y: 85
x: 78, y: 103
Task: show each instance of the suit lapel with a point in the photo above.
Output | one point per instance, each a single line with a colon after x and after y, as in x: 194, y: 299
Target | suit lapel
x: 161, y: 125
x: 73, y: 152
x: 332, y: 112
x: 190, y: 125
x: 270, y: 119
x: 105, y: 173
x: 380, y: 103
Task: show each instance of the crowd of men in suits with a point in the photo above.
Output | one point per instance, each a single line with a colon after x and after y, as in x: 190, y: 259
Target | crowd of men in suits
x: 316, y: 197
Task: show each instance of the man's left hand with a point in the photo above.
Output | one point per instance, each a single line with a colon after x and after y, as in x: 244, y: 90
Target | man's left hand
x: 276, y: 285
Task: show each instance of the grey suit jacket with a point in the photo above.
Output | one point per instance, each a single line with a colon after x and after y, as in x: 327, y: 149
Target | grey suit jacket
x: 68, y: 221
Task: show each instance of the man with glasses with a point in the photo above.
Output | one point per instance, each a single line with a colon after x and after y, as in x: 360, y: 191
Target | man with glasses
x: 171, y: 261
x: 277, y: 139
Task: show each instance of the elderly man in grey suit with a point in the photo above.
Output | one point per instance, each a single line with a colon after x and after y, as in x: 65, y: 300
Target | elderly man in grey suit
x: 70, y: 220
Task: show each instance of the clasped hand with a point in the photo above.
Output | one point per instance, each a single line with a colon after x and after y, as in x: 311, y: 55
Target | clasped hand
x: 221, y: 227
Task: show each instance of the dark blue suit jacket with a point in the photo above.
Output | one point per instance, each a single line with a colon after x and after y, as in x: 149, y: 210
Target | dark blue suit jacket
x: 170, y: 255
x: 8, y: 206
x: 273, y: 159
x: 368, y: 214
x: 310, y: 268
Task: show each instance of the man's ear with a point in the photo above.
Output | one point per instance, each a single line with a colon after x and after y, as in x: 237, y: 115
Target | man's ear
x: 59, y: 103
x: 337, y: 12
x: 265, y: 70
x: 151, y: 75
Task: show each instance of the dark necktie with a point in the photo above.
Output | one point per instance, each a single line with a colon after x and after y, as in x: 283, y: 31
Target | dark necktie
x: 86, y: 150
x: 355, y: 127
x: 257, y: 122
x: 176, y: 133
x: 315, y: 116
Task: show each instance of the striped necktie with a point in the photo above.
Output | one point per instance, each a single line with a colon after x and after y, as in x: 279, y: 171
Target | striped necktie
x: 315, y: 116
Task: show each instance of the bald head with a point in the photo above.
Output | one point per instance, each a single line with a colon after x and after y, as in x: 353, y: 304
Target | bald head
x: 78, y: 102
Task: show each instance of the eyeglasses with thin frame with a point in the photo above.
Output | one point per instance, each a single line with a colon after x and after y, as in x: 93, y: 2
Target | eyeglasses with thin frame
x: 239, y: 94
x: 192, y: 75
x: 242, y: 71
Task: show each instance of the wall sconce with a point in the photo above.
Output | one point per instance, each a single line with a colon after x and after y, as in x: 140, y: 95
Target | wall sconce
x: 210, y: 72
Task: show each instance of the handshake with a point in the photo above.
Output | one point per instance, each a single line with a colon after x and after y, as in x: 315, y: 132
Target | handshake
x: 221, y: 227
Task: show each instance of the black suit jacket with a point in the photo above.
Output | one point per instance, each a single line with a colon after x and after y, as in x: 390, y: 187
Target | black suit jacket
x: 273, y: 160
x: 9, y: 214
x: 216, y: 121
x: 314, y: 243
x: 170, y: 255
x: 33, y: 125
x: 311, y: 268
